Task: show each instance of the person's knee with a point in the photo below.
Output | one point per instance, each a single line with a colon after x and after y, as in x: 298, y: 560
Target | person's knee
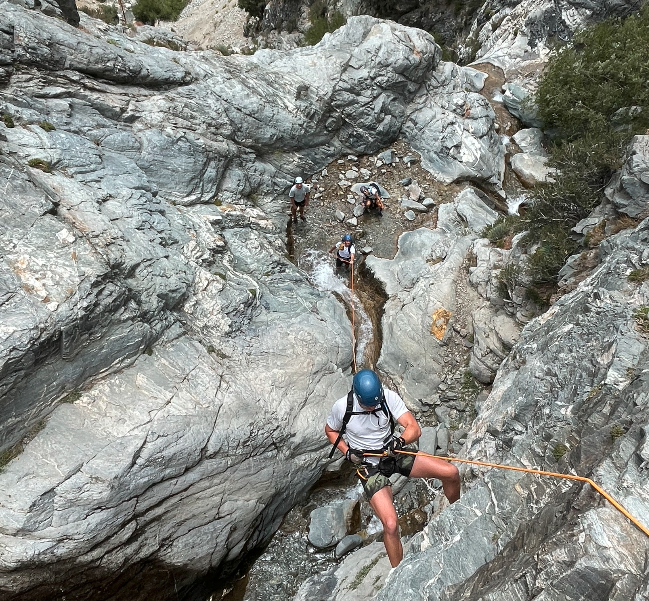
x: 390, y: 525
x: 452, y: 475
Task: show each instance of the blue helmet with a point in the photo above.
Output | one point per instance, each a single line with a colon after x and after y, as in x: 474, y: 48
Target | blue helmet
x: 347, y: 238
x: 367, y: 388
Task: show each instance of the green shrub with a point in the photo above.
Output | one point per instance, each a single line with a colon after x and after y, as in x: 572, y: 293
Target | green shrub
x: 639, y: 275
x: 320, y: 23
x: 162, y: 44
x: 617, y: 431
x: 559, y: 451
x: 606, y: 70
x: 47, y: 126
x: 108, y: 14
x: 150, y: 11
x: 224, y: 50
x: 532, y: 294
x: 72, y: 397
x: 550, y: 255
x: 504, y: 227
x: 7, y: 120
x: 508, y: 278
x: 255, y: 8
x: 585, y: 98
x: 641, y: 317
x: 40, y: 164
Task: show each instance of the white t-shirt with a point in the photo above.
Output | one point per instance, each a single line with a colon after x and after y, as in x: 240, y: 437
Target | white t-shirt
x: 298, y: 194
x: 345, y: 252
x: 368, y: 431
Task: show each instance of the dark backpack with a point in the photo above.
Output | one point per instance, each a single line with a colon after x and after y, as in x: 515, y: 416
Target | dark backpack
x: 349, y: 412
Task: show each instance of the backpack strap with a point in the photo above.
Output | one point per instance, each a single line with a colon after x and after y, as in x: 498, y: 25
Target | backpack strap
x: 348, y: 414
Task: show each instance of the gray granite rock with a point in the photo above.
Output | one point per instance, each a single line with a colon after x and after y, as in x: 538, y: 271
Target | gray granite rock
x: 410, y: 215
x: 530, y: 141
x: 629, y: 190
x: 387, y: 157
x: 453, y: 128
x: 575, y: 373
x: 406, y: 203
x: 331, y: 523
x: 421, y: 283
x: 358, y: 578
x: 531, y: 169
x: 347, y: 544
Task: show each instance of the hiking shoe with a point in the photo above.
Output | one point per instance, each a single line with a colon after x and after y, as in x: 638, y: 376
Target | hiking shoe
x: 380, y: 213
x: 294, y: 220
x: 303, y: 217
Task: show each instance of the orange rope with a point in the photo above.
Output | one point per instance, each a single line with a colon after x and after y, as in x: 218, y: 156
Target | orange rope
x: 602, y: 492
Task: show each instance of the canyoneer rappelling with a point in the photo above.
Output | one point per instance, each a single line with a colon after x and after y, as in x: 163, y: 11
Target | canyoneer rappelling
x: 361, y: 425
x: 345, y: 251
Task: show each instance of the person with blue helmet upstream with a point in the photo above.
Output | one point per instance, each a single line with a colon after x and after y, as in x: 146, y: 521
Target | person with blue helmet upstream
x: 363, y: 422
x: 346, y: 251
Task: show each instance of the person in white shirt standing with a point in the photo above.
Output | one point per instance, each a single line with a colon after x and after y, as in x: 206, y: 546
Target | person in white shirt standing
x: 346, y: 251
x: 299, y: 197
x: 363, y: 422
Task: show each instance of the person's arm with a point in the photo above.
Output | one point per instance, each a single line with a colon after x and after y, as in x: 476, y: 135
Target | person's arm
x: 411, y: 430
x: 306, y: 197
x: 332, y: 435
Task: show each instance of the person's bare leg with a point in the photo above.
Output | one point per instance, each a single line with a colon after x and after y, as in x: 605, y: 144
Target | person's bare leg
x: 383, y: 506
x: 429, y: 467
x: 294, y: 212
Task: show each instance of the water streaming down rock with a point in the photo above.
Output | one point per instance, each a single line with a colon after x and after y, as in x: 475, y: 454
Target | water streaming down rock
x: 326, y: 278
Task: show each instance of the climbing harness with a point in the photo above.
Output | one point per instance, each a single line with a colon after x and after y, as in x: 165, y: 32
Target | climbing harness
x: 527, y: 470
x: 382, y: 406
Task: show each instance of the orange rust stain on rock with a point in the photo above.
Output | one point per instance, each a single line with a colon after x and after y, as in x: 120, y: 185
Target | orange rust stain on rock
x: 440, y: 323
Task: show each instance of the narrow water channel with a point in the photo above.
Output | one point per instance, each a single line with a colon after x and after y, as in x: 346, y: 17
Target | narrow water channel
x: 289, y: 559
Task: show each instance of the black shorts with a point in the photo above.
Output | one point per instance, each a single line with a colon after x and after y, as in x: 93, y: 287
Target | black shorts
x: 340, y: 261
x: 374, y: 478
x: 299, y: 204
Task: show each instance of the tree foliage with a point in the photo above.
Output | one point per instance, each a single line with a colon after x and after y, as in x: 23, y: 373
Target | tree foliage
x: 150, y: 11
x: 593, y: 97
x: 255, y: 8
x: 592, y: 85
x: 320, y: 23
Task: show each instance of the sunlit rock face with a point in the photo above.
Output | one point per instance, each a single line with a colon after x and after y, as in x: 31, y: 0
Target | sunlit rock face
x: 165, y: 370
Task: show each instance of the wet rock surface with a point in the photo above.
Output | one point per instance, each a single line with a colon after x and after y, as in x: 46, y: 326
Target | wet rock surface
x: 166, y: 370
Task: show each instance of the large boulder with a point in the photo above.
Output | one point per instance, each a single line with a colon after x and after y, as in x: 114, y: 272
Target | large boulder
x: 421, y: 286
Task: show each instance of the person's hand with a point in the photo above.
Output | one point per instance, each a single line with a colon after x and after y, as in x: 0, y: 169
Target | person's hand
x: 354, y: 456
x: 394, y: 445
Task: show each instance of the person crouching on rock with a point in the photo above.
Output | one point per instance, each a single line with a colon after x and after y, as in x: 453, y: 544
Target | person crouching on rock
x: 345, y: 251
x: 363, y: 422
x: 299, y: 197
x: 372, y: 198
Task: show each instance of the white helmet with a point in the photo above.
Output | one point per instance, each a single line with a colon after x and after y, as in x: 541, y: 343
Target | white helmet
x: 298, y: 180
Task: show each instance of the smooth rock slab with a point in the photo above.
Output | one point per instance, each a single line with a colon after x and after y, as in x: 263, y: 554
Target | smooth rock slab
x: 531, y: 169
x: 347, y: 544
x: 330, y: 524
x: 407, y: 203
